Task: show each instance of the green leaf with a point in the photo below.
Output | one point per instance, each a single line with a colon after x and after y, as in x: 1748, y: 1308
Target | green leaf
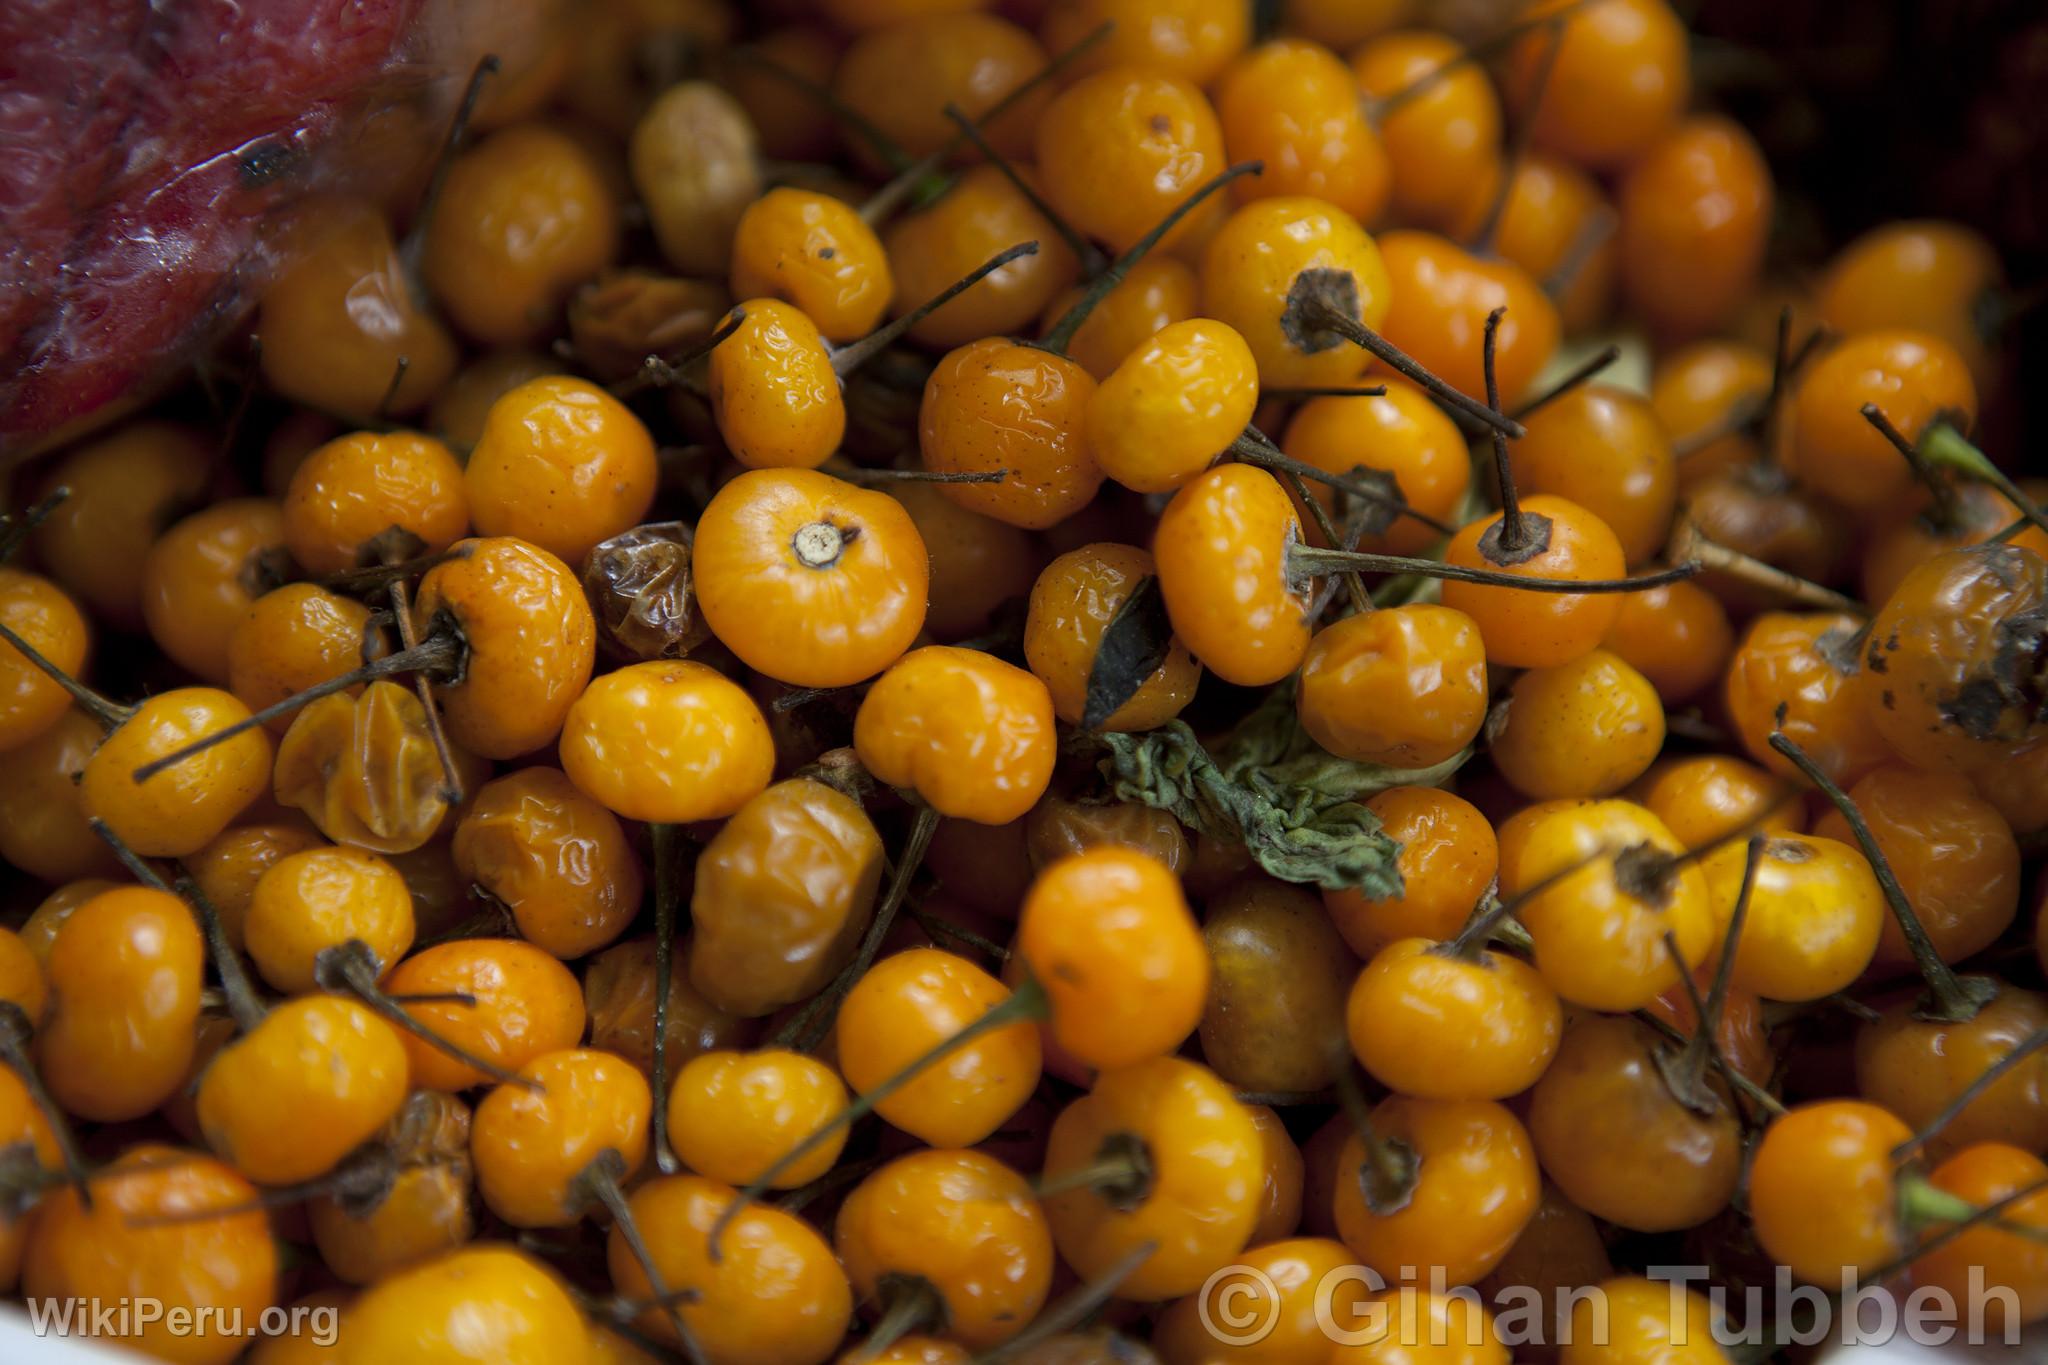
x: 1133, y: 646
x: 1297, y: 808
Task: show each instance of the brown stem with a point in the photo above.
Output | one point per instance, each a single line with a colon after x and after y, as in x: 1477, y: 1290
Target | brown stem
x: 1062, y: 332
x: 1309, y: 560
x: 1580, y: 374
x: 1955, y: 998
x: 807, y: 1033
x: 244, y: 1005
x: 598, y: 1183
x: 1689, y: 543
x: 352, y: 968
x: 435, y: 654
x: 667, y: 902
x: 853, y: 355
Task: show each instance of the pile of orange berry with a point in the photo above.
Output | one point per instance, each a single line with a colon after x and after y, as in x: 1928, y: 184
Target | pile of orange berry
x: 913, y: 681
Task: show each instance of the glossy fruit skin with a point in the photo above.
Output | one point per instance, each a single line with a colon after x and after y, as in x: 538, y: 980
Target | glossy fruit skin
x: 1442, y: 138
x: 1677, y: 636
x: 293, y: 638
x: 995, y: 404
x: 1254, y: 264
x: 1277, y: 980
x: 457, y: 416
x: 1620, y: 80
x: 39, y: 611
x: 1695, y: 218
x: 562, y: 465
x: 909, y: 1003
x: 981, y: 215
x: 1475, y: 1158
x: 531, y: 1145
x: 1108, y: 934
x: 1599, y: 935
x: 1401, y: 434
x: 1280, y: 1205
x: 1585, y: 728
x: 329, y: 1067
x: 1415, y: 1324
x: 181, y: 809
x: 1705, y: 797
x: 1912, y: 376
x: 784, y: 891
x: 559, y: 861
x: 1192, y: 39
x: 1540, y: 630
x: 1427, y: 1023
x: 776, y: 1298
x: 1949, y: 688
x: 1204, y: 1194
x: 1814, y: 915
x: 21, y: 977
x: 693, y: 158
x: 1448, y: 857
x: 1614, y: 1137
x: 815, y: 252
x: 1758, y: 510
x: 126, y: 488
x: 356, y: 487
x: 527, y: 1004
x: 39, y: 931
x: 1172, y: 406
x: 1916, y: 1067
x: 1057, y: 828
x: 535, y: 218
x: 1294, y: 1271
x: 427, y: 1211
x: 1072, y: 604
x: 1120, y: 149
x: 1922, y: 529
x: 969, y: 733
x: 1643, y: 1328
x: 1953, y: 854
x: 673, y: 741
x: 971, y: 60
x: 320, y: 898
x: 485, y: 1303
x: 1553, y: 210
x: 1985, y: 1174
x: 338, y: 318
x: 42, y: 821
x: 773, y: 389
x: 962, y: 1222
x: 1442, y: 295
x: 1928, y: 275
x: 824, y: 617
x: 1695, y: 388
x: 203, y: 573
x: 1404, y: 687
x: 531, y: 641
x: 1604, y: 449
x: 1294, y: 107
x: 225, y: 1265
x: 365, y: 770
x: 732, y: 1114
x: 1560, y: 1248
x: 1156, y: 292
x: 618, y: 993
x: 976, y: 563
x: 1821, y: 1192
x: 1807, y: 665
x: 1222, y: 554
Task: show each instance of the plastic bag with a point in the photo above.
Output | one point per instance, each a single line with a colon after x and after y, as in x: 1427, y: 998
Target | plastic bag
x: 148, y: 151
